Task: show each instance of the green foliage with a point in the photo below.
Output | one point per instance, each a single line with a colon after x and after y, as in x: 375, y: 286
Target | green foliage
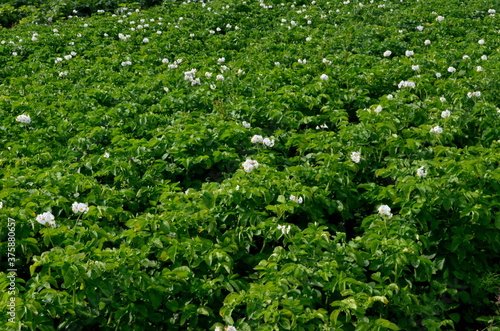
x: 184, y: 231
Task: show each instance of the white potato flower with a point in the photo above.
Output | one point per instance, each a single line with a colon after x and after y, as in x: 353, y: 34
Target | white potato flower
x: 405, y: 83
x: 445, y: 113
x: 421, y: 172
x: 250, y: 165
x: 324, y: 77
x: 437, y: 129
x: 26, y: 119
x: 356, y: 157
x: 77, y: 207
x: 256, y: 139
x: 268, y: 142
x: 46, y: 218
x: 284, y: 229
x: 385, y: 210
x: 387, y: 53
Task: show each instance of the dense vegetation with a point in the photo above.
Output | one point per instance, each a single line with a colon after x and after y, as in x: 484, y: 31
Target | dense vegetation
x: 320, y: 165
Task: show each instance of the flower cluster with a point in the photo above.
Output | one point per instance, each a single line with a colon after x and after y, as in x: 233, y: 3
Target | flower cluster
x: 256, y: 139
x: 265, y: 141
x: 421, y: 172
x: 378, y: 109
x: 46, y: 218
x: 445, y: 113
x: 190, y: 76
x: 405, y: 83
x: 322, y: 126
x: 385, y: 210
x: 26, y: 119
x: 298, y: 200
x: 437, y: 129
x: 284, y: 229
x: 246, y: 124
x: 268, y: 142
x: 77, y: 207
x: 249, y: 165
x: 126, y: 63
x: 175, y: 64
x: 474, y: 94
x: 124, y: 37
x: 356, y: 157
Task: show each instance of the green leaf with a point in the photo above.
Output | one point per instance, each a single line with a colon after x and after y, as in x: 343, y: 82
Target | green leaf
x: 232, y: 299
x: 93, y: 296
x: 208, y: 200
x: 386, y: 324
x: 173, y: 305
